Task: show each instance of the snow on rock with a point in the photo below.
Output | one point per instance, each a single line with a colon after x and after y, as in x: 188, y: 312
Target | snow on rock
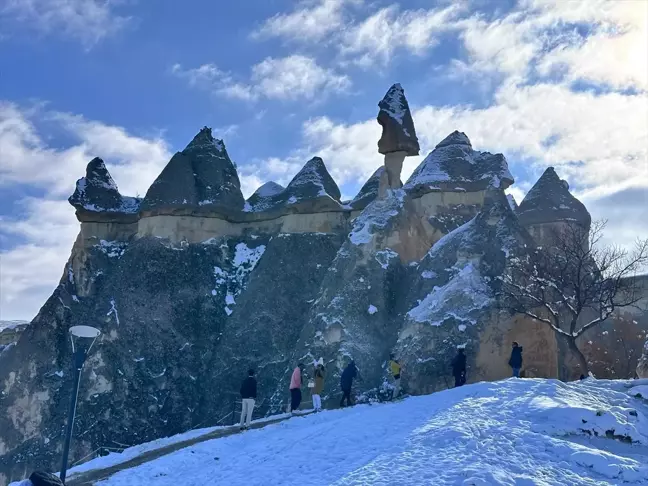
x: 231, y: 283
x: 512, y: 432
x: 549, y: 200
x: 113, y: 249
x: 376, y: 216
x: 384, y: 256
x: 97, y: 192
x: 372, y: 309
x: 263, y: 197
x: 454, y: 166
x: 398, y: 134
x: 466, y: 291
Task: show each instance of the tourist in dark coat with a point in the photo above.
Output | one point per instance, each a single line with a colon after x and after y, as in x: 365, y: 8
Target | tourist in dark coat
x: 459, y: 367
x: 248, y: 396
x: 516, y: 359
x: 346, y: 382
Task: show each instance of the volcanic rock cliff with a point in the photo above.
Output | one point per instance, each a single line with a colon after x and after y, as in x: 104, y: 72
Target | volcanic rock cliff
x: 193, y: 285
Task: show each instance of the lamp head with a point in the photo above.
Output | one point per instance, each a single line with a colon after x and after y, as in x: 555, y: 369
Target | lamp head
x: 82, y: 337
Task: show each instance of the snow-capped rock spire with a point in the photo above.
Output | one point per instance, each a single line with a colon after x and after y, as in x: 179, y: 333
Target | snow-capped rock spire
x: 398, y: 138
x: 398, y: 133
x: 549, y: 200
x: 454, y: 166
x: 97, y: 192
x: 202, y: 175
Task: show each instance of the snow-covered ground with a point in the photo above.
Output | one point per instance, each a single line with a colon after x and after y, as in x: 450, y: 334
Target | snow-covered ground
x: 514, y: 432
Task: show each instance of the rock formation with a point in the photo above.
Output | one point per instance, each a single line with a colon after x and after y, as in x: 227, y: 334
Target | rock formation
x: 202, y: 176
x: 398, y: 138
x: 548, y: 204
x: 97, y: 196
x: 194, y: 285
x: 512, y: 202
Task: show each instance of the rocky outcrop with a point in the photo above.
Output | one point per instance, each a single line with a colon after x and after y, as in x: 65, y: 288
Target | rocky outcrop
x: 398, y: 133
x: 200, y: 177
x: 368, y: 192
x: 10, y: 332
x: 549, y: 201
x: 398, y: 138
x: 311, y: 190
x: 97, y: 198
x: 452, y: 293
x: 262, y: 198
x: 453, y: 166
x: 512, y: 202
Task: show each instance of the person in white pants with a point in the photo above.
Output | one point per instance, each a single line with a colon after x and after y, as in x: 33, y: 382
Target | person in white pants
x: 318, y: 387
x: 248, y: 396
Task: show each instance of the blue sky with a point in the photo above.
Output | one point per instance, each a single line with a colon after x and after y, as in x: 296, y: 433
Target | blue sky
x: 546, y: 82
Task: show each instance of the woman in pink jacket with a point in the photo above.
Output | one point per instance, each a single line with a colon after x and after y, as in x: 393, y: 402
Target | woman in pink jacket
x: 295, y: 387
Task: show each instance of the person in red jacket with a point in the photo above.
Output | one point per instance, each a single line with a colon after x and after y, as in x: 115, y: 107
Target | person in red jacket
x: 295, y: 387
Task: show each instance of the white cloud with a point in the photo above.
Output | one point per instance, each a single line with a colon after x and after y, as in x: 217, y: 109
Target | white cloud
x: 45, y: 227
x: 26, y: 158
x: 288, y: 78
x: 311, y: 21
x: 88, y: 21
x: 379, y: 36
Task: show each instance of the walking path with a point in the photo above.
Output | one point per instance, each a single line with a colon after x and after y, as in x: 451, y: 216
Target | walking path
x: 89, y: 478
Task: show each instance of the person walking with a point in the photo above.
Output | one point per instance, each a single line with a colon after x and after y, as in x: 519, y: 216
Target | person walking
x: 459, y: 367
x: 346, y: 382
x: 295, y: 388
x: 515, y: 361
x: 319, y: 375
x: 248, y: 396
x: 395, y: 368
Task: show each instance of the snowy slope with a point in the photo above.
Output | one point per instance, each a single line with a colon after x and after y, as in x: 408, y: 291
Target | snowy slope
x: 514, y: 432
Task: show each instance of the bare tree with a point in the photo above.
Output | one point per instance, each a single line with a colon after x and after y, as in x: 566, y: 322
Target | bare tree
x: 575, y: 284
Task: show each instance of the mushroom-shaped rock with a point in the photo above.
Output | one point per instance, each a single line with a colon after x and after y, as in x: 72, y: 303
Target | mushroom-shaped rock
x: 549, y: 201
x: 369, y: 191
x: 453, y: 165
x: 263, y: 197
x: 398, y: 134
x: 98, y: 193
x: 201, y: 176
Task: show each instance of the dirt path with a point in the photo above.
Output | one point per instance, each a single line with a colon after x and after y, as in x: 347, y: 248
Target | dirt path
x: 91, y: 477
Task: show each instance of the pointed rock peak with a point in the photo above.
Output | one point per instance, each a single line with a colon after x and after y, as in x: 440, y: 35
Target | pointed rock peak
x: 369, y: 190
x: 549, y: 200
x: 97, y: 192
x: 268, y: 189
x: 313, y: 180
x: 395, y: 117
x: 455, y: 138
x: 204, y: 140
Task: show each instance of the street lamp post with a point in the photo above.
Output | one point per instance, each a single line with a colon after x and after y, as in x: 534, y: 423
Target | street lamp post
x: 82, y: 337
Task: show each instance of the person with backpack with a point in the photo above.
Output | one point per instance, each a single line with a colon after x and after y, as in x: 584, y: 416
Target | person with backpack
x: 346, y: 382
x: 395, y: 368
x: 459, y: 367
x: 295, y: 388
x: 248, y: 396
x: 319, y: 375
x: 515, y: 361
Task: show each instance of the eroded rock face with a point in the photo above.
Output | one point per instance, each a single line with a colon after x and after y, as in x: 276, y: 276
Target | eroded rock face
x: 97, y: 195
x: 452, y: 295
x: 454, y: 166
x: 202, y: 176
x: 398, y: 133
x: 550, y: 201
